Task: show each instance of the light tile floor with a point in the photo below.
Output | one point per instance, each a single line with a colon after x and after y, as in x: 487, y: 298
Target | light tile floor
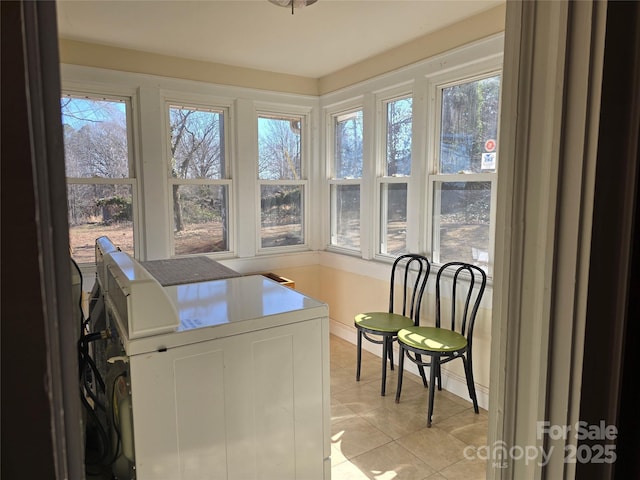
x: 372, y: 437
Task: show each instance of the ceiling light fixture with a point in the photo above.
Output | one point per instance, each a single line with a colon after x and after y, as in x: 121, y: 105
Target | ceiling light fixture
x: 293, y: 3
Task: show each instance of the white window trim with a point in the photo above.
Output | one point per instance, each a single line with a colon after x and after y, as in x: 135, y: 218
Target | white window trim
x: 382, y: 213
x: 435, y: 86
x: 263, y: 109
x: 305, y: 223
x: 382, y: 100
x: 332, y: 183
x: 433, y: 217
x: 478, y: 59
x: 129, y: 97
x: 148, y: 93
x: 197, y: 102
x: 339, y: 113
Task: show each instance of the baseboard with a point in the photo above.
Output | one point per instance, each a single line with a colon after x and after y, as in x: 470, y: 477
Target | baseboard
x: 450, y: 381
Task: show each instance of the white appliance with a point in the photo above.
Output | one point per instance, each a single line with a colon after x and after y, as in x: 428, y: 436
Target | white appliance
x: 229, y: 379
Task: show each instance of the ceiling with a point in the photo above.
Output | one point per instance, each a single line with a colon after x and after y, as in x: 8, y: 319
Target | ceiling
x: 313, y: 42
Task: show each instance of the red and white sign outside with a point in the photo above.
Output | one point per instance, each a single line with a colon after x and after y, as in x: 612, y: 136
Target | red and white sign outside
x: 490, y: 145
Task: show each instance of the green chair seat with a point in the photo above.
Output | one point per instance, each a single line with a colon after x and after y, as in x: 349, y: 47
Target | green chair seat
x: 466, y: 284
x: 432, y: 339
x: 409, y: 278
x: 383, y: 321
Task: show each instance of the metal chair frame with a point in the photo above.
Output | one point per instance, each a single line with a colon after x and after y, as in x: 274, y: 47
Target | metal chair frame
x: 412, y: 305
x: 474, y: 294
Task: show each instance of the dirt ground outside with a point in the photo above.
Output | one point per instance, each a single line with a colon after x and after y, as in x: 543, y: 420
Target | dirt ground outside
x: 199, y: 239
x: 457, y: 241
x: 196, y: 239
x: 206, y: 238
x: 82, y: 239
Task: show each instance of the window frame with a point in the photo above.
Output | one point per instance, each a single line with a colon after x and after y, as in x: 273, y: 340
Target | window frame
x: 227, y: 180
x: 130, y: 100
x: 267, y: 110
x: 332, y: 117
x: 381, y: 178
x: 436, y: 88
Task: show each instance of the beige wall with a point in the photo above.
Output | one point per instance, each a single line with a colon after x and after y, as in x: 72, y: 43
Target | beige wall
x: 307, y: 279
x: 91, y: 55
x: 348, y: 294
x: 474, y: 28
x: 479, y: 26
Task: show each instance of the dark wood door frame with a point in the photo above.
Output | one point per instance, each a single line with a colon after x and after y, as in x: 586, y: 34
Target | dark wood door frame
x: 41, y: 418
x: 612, y: 352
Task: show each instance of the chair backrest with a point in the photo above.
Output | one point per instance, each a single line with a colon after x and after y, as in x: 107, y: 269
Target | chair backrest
x: 414, y: 269
x: 467, y: 287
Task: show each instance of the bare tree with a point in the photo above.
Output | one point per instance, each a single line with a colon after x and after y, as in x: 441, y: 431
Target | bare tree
x: 95, y: 138
x: 399, y: 122
x: 197, y: 151
x: 349, y: 146
x: 279, y: 156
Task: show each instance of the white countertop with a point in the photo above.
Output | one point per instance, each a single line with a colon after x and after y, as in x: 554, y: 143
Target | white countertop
x: 221, y: 308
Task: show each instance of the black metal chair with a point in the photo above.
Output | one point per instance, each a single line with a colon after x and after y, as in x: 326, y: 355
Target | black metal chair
x: 443, y: 344
x: 382, y: 327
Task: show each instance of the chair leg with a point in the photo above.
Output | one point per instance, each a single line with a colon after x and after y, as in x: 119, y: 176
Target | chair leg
x: 390, y: 350
x: 468, y: 370
x: 421, y: 370
x: 439, y: 373
x: 432, y: 378
x: 400, y: 371
x: 359, y: 355
x: 385, y: 348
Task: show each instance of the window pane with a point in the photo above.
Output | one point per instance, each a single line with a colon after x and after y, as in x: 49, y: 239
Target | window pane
x: 469, y: 126
x: 346, y: 216
x: 399, y: 120
x: 95, y: 138
x: 348, y: 153
x: 197, y: 143
x: 96, y: 210
x: 279, y: 156
x: 461, y: 226
x: 394, y: 221
x: 281, y: 215
x: 200, y: 214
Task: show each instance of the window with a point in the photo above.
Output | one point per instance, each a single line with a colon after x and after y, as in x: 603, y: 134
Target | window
x: 463, y: 186
x: 198, y: 179
x: 101, y: 193
x: 394, y: 179
x: 281, y: 180
x: 346, y: 180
